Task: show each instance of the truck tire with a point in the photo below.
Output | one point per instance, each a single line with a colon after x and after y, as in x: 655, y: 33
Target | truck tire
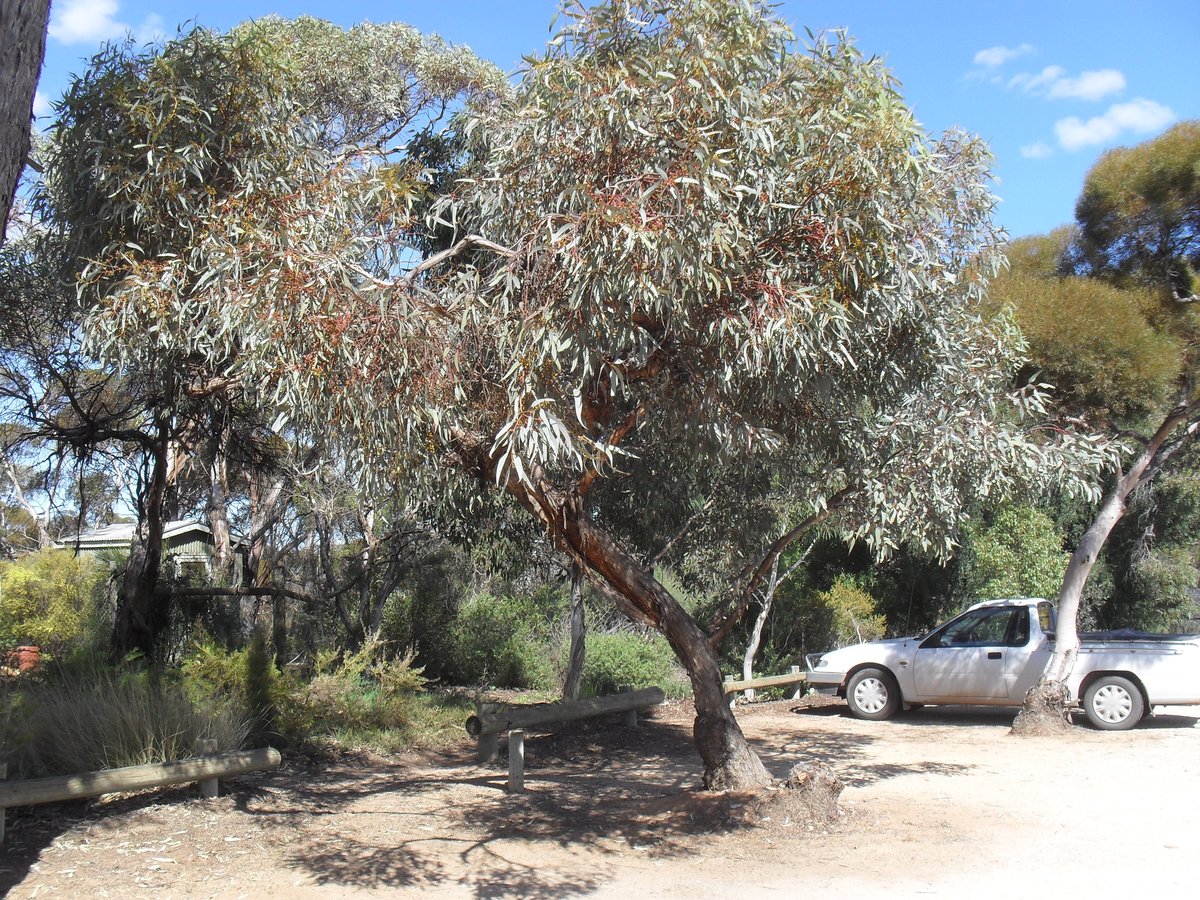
x: 1113, y: 703
x: 872, y: 694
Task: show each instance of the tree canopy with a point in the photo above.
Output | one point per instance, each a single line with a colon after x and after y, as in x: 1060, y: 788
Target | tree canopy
x: 1139, y: 213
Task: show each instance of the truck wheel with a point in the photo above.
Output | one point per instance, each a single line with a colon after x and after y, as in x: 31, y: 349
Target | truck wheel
x: 1113, y: 703
x: 872, y: 694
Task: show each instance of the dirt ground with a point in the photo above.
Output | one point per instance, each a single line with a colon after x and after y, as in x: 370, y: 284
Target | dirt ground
x: 937, y: 803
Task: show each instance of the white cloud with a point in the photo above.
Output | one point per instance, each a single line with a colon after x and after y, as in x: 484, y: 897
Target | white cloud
x: 1031, y: 83
x: 41, y: 104
x: 1054, y: 83
x: 94, y: 21
x: 151, y: 30
x: 1037, y: 150
x: 994, y: 57
x: 85, y: 21
x: 1088, y: 86
x: 1140, y: 116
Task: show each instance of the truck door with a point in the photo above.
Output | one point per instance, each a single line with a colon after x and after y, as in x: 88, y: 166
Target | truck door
x: 964, y: 660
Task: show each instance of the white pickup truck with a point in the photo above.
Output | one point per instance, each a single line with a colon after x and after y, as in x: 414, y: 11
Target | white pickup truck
x: 995, y: 652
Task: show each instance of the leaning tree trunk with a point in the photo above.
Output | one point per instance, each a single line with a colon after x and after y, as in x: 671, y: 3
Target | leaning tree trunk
x: 729, y: 763
x: 22, y: 46
x: 578, y: 654
x: 1047, y: 702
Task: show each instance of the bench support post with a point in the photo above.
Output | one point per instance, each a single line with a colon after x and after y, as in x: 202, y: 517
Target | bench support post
x: 489, y: 744
x: 516, y: 761
x: 209, y: 787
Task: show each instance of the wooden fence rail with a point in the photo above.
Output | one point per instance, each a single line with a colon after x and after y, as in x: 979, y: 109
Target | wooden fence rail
x: 203, y: 769
x: 795, y: 677
x: 491, y: 719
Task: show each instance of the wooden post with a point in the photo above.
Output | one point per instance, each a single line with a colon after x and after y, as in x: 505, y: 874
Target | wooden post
x: 732, y: 694
x: 799, y: 691
x: 3, y: 775
x: 209, y: 787
x: 489, y: 744
x: 516, y: 761
x: 629, y: 717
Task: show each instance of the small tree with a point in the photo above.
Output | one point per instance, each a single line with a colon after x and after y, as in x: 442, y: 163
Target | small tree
x: 1137, y: 219
x: 702, y: 246
x: 186, y: 179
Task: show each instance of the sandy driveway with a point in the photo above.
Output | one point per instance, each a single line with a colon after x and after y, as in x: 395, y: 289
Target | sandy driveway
x: 937, y: 804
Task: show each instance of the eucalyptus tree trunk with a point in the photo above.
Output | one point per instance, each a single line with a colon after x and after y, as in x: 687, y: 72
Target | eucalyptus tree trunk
x: 760, y: 622
x: 267, y: 500
x: 142, y: 616
x: 22, y: 46
x: 578, y: 654
x: 729, y: 763
x: 217, y: 463
x: 1047, y: 701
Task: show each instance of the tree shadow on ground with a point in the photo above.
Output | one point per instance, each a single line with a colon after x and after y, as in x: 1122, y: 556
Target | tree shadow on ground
x: 609, y: 790
x: 31, y: 830
x: 591, y: 787
x: 595, y: 788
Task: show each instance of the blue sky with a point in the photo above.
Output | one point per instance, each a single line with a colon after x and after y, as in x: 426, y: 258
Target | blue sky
x: 1050, y: 85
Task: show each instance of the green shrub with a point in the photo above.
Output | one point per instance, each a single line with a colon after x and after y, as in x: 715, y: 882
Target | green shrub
x: 852, y: 615
x: 87, y: 717
x: 366, y: 700
x: 49, y: 599
x: 1020, y: 554
x: 272, y: 701
x: 502, y: 641
x: 626, y: 657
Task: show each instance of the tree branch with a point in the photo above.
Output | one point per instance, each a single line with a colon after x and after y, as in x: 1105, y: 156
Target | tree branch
x: 729, y: 613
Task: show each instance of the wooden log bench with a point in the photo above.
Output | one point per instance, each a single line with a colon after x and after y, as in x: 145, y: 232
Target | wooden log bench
x: 795, y: 676
x: 205, y: 769
x: 493, y: 719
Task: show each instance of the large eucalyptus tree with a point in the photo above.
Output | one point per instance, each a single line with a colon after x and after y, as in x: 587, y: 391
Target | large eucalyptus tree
x: 688, y: 241
x: 681, y: 241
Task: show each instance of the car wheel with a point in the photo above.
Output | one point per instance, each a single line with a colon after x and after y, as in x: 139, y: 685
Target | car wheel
x: 1113, y: 703
x: 872, y: 694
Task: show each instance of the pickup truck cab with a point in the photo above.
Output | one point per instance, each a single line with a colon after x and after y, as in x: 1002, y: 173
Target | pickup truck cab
x: 993, y: 653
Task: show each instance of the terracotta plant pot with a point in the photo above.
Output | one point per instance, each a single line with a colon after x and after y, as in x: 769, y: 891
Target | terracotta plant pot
x: 27, y: 658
